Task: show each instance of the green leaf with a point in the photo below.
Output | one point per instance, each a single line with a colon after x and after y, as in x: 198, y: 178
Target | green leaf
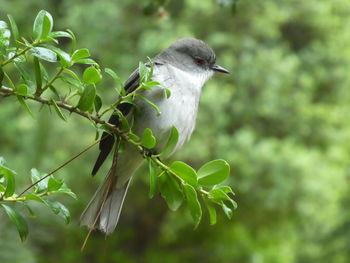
x: 54, y: 184
x: 25, y: 106
x: 153, y: 179
x: 154, y: 106
x: 87, y: 98
x: 74, y: 40
x: 147, y: 139
x: 120, y: 89
x: 58, y: 110
x: 80, y: 53
x: 38, y: 25
x: 97, y: 103
x: 64, y: 57
x: 219, y: 196
x: 228, y: 211
x: 18, y: 220
x: 9, y: 178
x: 47, y: 25
x: 86, y: 61
x: 92, y: 75
x: 170, y: 191
x: 144, y: 73
x: 35, y: 177
x: 65, y: 190
x: 227, y: 189
x: 30, y: 211
x: 22, y: 89
x: 38, y: 76
x: 43, y: 25
x: 211, y: 210
x: 213, y: 172
x: 172, y: 142
x: 193, y: 204
x: 185, y: 172
x: 34, y: 197
x: 59, y: 209
x: 44, y: 54
x: 60, y: 34
x: 14, y: 29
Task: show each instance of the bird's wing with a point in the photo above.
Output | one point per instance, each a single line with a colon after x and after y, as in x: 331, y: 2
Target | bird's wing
x: 107, y: 143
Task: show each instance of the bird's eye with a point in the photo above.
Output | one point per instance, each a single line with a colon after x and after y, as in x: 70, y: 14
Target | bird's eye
x: 198, y: 61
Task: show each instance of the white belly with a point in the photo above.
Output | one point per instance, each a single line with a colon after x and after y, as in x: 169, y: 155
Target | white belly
x: 180, y: 110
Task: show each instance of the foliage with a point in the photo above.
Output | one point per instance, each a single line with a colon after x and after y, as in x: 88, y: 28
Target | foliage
x: 280, y: 120
x: 178, y: 182
x: 43, y: 188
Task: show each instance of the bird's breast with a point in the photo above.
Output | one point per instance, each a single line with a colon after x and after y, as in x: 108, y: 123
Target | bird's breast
x: 179, y: 110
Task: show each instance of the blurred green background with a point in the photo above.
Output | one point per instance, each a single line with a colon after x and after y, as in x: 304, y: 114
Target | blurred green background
x: 280, y: 119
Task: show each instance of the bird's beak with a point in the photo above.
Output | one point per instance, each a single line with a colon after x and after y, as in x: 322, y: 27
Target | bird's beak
x: 218, y: 68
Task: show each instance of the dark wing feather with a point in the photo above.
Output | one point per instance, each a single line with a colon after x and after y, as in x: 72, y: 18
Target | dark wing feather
x: 107, y: 143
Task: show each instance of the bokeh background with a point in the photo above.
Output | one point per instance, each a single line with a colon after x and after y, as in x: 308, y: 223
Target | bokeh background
x: 281, y: 119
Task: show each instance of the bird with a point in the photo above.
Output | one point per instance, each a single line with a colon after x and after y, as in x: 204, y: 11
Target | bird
x: 183, y: 68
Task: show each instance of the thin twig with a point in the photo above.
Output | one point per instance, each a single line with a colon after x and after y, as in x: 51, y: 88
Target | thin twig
x: 61, y: 166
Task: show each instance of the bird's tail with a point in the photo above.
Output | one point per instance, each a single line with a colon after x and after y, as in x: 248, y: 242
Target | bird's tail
x: 104, y: 209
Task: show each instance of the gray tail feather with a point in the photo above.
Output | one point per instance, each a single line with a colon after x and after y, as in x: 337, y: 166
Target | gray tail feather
x: 111, y: 209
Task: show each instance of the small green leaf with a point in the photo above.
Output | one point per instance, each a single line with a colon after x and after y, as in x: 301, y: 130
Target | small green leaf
x: 9, y: 175
x: 228, y: 211
x: 38, y: 25
x: 18, y: 220
x: 98, y: 103
x: 87, y: 98
x: 58, y: 209
x: 193, y: 204
x: 125, y: 123
x: 133, y: 136
x: 143, y: 72
x: 168, y: 93
x: 34, y: 197
x: 74, y: 40
x: 172, y: 142
x: 120, y: 89
x: 92, y: 75
x: 38, y: 76
x: 219, y: 196
x: 154, y: 106
x: 170, y: 191
x: 65, y: 190
x: 25, y: 106
x: 43, y: 25
x: 147, y: 139
x: 64, y: 57
x: 58, y: 110
x: 47, y: 25
x: 213, y: 172
x: 211, y: 210
x: 60, y: 34
x: 22, y: 89
x: 44, y: 54
x: 227, y: 189
x: 54, y: 184
x: 153, y: 179
x: 185, y: 172
x: 80, y: 53
x: 86, y: 61
x: 14, y: 29
x: 35, y: 177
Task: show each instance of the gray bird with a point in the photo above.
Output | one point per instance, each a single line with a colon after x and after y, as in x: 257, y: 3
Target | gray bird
x: 183, y: 68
